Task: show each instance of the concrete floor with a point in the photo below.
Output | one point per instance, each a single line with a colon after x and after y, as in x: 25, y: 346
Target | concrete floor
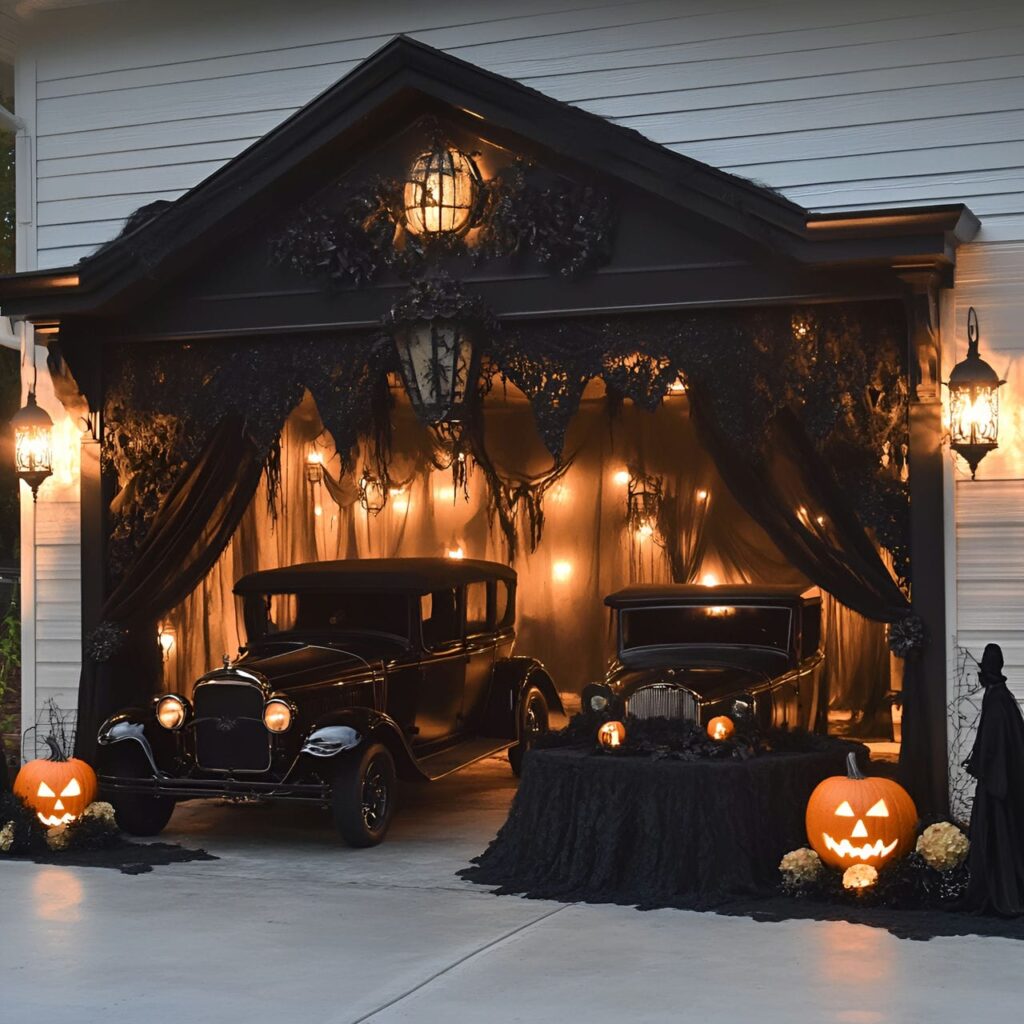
x: 288, y: 925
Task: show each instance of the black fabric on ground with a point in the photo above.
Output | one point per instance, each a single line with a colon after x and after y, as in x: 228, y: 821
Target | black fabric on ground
x: 997, y: 816
x: 653, y: 832
x: 127, y: 857
x: 190, y: 530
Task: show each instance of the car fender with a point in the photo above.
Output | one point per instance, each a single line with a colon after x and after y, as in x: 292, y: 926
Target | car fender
x: 339, y: 732
x: 509, y: 678
x: 138, y: 728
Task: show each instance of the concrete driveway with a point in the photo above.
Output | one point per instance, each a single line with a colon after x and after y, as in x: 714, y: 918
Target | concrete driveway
x: 288, y: 925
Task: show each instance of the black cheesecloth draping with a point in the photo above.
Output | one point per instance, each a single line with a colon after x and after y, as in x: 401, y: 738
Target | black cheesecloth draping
x: 187, y: 535
x: 652, y: 832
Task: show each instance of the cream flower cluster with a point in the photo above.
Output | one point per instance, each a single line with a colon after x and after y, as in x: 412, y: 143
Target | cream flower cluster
x: 58, y: 838
x: 859, y: 876
x: 101, y: 811
x: 801, y: 866
x: 943, y: 846
x: 7, y: 837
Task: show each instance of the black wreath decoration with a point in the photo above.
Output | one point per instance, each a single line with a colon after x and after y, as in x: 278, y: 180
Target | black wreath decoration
x: 907, y: 636
x: 105, y: 641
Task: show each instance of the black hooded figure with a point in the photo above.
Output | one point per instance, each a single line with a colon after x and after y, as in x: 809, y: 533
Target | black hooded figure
x: 997, y: 819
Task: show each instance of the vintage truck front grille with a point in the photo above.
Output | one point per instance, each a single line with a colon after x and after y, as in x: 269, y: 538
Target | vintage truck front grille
x: 229, y: 730
x: 662, y: 700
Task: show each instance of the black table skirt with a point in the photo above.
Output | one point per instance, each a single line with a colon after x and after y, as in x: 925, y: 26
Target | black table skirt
x: 653, y: 833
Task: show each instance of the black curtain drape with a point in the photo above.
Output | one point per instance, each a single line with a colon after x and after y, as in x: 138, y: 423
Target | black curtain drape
x: 187, y: 536
x: 791, y: 491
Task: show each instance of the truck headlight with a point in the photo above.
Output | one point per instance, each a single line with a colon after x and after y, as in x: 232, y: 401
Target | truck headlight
x: 171, y: 711
x: 277, y: 715
x: 598, y: 702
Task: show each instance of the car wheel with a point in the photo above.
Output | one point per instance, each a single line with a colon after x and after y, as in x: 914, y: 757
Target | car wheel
x: 533, y: 722
x: 363, y: 798
x: 141, y: 815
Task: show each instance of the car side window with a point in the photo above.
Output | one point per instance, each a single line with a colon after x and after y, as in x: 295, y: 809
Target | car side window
x: 505, y: 610
x: 811, y: 629
x: 476, y: 608
x: 440, y: 616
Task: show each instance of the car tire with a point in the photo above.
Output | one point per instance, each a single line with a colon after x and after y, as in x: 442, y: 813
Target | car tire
x: 534, y: 720
x: 363, y: 796
x: 141, y: 815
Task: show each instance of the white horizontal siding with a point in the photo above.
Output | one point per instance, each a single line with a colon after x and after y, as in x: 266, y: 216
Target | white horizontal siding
x: 836, y: 106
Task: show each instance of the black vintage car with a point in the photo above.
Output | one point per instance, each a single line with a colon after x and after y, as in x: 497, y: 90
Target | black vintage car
x: 695, y: 652
x: 355, y: 672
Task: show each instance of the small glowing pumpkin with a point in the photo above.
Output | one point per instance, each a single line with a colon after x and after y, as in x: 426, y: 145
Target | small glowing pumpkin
x: 721, y: 727
x: 58, y: 788
x: 611, y: 735
x: 856, y: 820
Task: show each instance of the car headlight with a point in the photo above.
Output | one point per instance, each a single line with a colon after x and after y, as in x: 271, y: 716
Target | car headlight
x: 598, y: 702
x: 171, y: 711
x: 277, y: 715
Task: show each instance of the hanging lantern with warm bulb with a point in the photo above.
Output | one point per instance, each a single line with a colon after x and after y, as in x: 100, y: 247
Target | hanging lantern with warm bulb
x: 643, y: 505
x: 973, y: 402
x: 314, y: 466
x: 373, y: 494
x: 166, y: 635
x: 443, y: 192
x: 433, y: 327
x: 33, y: 444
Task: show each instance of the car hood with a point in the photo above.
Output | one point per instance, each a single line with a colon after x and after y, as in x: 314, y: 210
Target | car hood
x: 712, y: 673
x: 284, y: 663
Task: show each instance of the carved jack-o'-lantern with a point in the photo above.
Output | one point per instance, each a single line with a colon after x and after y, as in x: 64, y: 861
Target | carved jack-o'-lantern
x: 721, y: 727
x: 58, y: 789
x: 855, y: 820
x: 611, y: 735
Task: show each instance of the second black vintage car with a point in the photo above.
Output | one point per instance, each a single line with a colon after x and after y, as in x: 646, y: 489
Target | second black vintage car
x: 694, y: 652
x: 355, y: 673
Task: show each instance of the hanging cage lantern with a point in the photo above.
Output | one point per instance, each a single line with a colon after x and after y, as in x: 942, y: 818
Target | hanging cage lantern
x: 442, y: 192
x: 33, y: 444
x: 434, y: 328
x: 973, y: 402
x: 373, y: 493
x: 643, y: 505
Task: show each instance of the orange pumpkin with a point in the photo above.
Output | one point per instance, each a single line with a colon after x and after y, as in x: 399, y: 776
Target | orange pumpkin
x: 611, y: 734
x: 856, y: 820
x: 721, y: 727
x: 58, y: 788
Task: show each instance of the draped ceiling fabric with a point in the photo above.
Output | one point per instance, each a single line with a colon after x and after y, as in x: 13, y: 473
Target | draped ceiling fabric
x: 800, y: 441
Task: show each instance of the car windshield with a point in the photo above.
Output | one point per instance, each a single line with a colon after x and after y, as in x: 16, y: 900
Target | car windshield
x: 732, y: 625
x: 343, y: 612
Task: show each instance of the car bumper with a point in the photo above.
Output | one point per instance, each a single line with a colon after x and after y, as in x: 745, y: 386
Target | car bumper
x: 197, y: 789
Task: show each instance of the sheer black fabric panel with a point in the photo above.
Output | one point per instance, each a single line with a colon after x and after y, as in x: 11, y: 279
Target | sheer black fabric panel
x: 188, y: 534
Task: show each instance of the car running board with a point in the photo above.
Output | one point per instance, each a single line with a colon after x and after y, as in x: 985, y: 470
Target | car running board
x: 451, y: 759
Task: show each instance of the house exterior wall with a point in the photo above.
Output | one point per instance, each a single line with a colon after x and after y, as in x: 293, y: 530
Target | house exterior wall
x: 837, y: 106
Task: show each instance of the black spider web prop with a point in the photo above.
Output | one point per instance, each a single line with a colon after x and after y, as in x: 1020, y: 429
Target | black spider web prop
x: 963, y: 713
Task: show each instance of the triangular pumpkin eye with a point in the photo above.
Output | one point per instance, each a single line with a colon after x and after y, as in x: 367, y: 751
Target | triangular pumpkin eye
x: 72, y: 789
x: 44, y: 790
x: 844, y: 810
x: 879, y: 810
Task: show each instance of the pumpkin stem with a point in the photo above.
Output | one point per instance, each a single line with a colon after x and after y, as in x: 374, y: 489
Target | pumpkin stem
x: 852, y: 768
x: 56, y: 754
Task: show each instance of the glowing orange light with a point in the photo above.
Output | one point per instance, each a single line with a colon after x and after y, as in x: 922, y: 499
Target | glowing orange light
x: 611, y: 735
x: 721, y: 727
x: 399, y: 500
x: 318, y: 510
x: 709, y: 579
x: 621, y: 477
x: 702, y: 495
x: 561, y: 571
x: 456, y: 553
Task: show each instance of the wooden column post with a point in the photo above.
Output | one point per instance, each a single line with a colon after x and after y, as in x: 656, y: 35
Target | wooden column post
x: 926, y: 744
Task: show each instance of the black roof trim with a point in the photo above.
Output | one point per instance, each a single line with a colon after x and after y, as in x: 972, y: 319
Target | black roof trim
x: 652, y: 593
x: 401, y: 575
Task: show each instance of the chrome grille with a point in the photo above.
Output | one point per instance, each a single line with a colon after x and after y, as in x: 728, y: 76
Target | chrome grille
x: 229, y: 730
x: 662, y: 700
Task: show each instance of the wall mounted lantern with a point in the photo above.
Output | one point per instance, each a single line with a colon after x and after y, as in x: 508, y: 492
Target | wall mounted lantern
x: 973, y: 402
x: 433, y: 327
x: 314, y: 466
x: 442, y: 193
x: 33, y: 444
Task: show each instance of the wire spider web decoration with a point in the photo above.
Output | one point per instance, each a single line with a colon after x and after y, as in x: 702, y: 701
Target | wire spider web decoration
x: 963, y: 713
x: 51, y: 720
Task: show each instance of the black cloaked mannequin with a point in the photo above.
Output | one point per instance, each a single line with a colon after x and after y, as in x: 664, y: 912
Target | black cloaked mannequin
x: 997, y: 819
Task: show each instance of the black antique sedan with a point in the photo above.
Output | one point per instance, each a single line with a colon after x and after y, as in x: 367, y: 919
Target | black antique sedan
x: 355, y: 673
x: 695, y: 652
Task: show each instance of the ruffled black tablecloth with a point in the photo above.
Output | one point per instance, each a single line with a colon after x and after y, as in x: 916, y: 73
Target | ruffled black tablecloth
x: 653, y: 832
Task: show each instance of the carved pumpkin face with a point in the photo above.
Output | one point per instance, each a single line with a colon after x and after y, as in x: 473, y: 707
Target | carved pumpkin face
x: 854, y: 820
x: 58, y: 791
x: 721, y: 727
x: 611, y: 735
